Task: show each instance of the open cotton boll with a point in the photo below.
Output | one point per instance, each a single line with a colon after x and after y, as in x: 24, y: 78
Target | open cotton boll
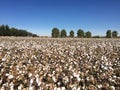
x: 3, y: 87
x: 6, y: 74
x: 31, y: 88
x: 30, y: 74
x: 99, y: 86
x: 10, y: 76
x: 114, y: 76
x: 20, y: 87
x: 4, y: 59
x: 112, y: 88
x: 78, y: 78
x: 63, y: 88
x: 11, y: 86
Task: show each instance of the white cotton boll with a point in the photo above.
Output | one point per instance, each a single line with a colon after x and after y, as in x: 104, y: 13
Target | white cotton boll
x: 0, y: 81
x: 31, y: 81
x: 12, y: 87
x: 6, y: 74
x: 94, y: 67
x: 31, y: 88
x: 99, y: 86
x: 20, y: 72
x: 114, y: 76
x: 74, y: 88
x: 55, y: 88
x: 74, y: 74
x: 88, y: 79
x: 59, y: 83
x: 105, y: 68
x: 54, y: 79
x: 110, y: 68
x: 112, y: 87
x: 2, y: 88
x: 106, y: 64
x: 110, y: 79
x: 20, y: 87
x: 30, y: 74
x: 83, y: 87
x: 38, y: 81
x: 2, y: 70
x: 3, y: 59
x: 78, y: 88
x: 11, y: 66
x: 58, y: 88
x: 10, y: 76
x: 77, y: 75
x: 113, y: 80
x: 78, y: 79
x: 63, y: 88
x: 67, y: 79
x: 23, y: 72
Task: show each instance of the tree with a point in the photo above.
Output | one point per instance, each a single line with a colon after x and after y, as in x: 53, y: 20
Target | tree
x: 63, y: 33
x: 80, y: 33
x: 71, y: 33
x: 6, y: 31
x: 55, y: 32
x: 88, y: 34
x: 115, y: 34
x: 108, y: 34
x: 96, y: 37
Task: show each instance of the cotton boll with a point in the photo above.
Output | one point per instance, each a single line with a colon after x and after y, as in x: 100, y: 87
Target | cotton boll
x: 2, y: 88
x: 31, y: 88
x: 10, y: 76
x: 31, y: 81
x: 99, y: 86
x: 6, y: 74
x: 63, y: 88
x: 112, y: 88
x: 54, y: 79
x: 78, y: 78
x: 105, y: 68
x: 4, y: 59
x: 20, y: 87
x: 11, y: 86
x: 114, y: 76
x: 30, y: 74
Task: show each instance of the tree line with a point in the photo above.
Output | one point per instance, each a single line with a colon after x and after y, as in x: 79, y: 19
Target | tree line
x: 5, y: 30
x: 81, y: 34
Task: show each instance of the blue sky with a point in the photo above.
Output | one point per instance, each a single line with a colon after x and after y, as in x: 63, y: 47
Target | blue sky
x: 40, y: 16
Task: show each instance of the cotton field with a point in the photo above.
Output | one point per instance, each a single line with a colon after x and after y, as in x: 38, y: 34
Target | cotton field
x: 28, y: 63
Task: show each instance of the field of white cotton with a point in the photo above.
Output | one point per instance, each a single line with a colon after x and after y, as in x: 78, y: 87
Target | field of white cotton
x: 28, y: 63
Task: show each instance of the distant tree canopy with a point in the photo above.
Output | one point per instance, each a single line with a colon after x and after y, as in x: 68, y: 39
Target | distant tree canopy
x: 5, y: 30
x: 80, y: 33
x: 88, y: 34
x: 71, y: 33
x: 55, y: 33
x: 108, y: 34
x: 114, y: 34
x: 63, y: 33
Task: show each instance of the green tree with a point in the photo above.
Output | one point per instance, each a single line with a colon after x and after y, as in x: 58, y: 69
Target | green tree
x: 115, y: 34
x: 71, y: 33
x: 80, y: 33
x: 55, y: 33
x: 96, y: 36
x: 6, y: 31
x: 88, y: 34
x: 63, y: 33
x: 108, y: 34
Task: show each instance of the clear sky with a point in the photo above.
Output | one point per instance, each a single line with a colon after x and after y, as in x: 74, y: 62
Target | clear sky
x: 40, y: 16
